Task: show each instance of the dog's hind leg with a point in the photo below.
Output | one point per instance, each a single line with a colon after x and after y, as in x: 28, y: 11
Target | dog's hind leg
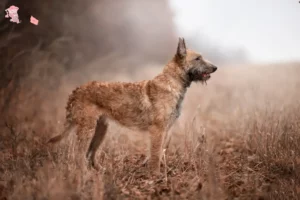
x: 97, y: 139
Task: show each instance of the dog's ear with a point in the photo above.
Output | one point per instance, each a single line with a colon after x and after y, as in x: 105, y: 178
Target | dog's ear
x: 181, y: 49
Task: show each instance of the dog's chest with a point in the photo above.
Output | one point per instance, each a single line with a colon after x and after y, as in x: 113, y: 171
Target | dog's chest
x: 176, y: 108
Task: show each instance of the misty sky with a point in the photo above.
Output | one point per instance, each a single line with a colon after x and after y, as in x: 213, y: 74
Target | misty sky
x: 269, y: 30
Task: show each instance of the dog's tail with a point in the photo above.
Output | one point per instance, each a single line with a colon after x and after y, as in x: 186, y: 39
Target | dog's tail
x: 59, y: 137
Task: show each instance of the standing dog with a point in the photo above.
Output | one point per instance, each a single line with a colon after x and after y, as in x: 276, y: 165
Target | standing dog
x: 151, y: 106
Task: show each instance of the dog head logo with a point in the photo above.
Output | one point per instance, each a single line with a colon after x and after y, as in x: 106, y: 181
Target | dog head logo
x: 196, y: 67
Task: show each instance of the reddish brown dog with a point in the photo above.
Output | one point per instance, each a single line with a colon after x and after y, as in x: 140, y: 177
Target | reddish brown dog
x: 151, y: 106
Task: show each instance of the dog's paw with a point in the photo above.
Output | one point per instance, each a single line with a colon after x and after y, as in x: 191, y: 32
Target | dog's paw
x: 95, y: 166
x: 92, y: 164
x: 155, y: 173
x: 145, y: 161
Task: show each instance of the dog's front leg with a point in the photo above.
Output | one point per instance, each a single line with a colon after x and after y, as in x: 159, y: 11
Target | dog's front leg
x: 165, y: 146
x: 156, y: 140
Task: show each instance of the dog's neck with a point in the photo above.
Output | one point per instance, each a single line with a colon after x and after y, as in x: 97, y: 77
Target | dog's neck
x: 174, y: 71
x: 176, y: 81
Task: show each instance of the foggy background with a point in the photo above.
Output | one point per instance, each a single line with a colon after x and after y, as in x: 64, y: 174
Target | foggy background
x: 237, y: 137
x: 78, y: 41
x: 264, y: 31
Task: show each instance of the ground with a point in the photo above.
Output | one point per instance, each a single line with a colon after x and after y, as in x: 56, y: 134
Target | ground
x: 238, y: 138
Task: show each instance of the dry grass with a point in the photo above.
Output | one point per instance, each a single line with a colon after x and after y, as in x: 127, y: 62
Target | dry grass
x: 242, y: 142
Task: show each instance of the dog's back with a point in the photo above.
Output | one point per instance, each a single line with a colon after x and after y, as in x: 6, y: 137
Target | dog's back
x: 125, y: 103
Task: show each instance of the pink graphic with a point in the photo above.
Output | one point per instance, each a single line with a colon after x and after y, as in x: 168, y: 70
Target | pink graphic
x: 34, y: 20
x: 12, y: 12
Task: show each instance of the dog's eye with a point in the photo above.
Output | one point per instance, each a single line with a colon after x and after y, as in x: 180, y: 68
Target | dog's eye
x: 198, y: 58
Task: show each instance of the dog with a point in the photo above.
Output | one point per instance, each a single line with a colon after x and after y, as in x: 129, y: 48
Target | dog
x: 149, y: 106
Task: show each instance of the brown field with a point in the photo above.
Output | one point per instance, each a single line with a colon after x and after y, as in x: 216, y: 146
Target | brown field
x: 237, y: 138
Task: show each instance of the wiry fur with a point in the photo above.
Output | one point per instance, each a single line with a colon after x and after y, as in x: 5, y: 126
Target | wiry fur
x: 151, y: 105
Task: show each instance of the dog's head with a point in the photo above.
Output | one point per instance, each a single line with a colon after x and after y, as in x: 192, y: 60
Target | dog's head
x: 195, y: 66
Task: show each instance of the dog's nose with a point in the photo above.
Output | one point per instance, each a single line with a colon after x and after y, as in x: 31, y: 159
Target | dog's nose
x: 214, y: 68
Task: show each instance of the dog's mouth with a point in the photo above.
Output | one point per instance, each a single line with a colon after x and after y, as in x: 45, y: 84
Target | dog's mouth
x: 205, y: 76
x: 196, y: 75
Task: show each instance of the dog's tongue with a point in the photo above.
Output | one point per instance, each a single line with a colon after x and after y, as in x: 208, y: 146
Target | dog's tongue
x: 204, y: 75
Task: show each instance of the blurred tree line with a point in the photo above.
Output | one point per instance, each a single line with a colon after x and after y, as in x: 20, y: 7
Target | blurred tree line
x: 71, y: 34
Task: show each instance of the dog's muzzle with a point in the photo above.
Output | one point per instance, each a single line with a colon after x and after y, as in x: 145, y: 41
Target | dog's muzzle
x: 214, y: 68
x: 206, y: 75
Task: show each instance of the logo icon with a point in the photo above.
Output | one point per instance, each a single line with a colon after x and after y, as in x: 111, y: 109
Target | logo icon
x: 12, y: 12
